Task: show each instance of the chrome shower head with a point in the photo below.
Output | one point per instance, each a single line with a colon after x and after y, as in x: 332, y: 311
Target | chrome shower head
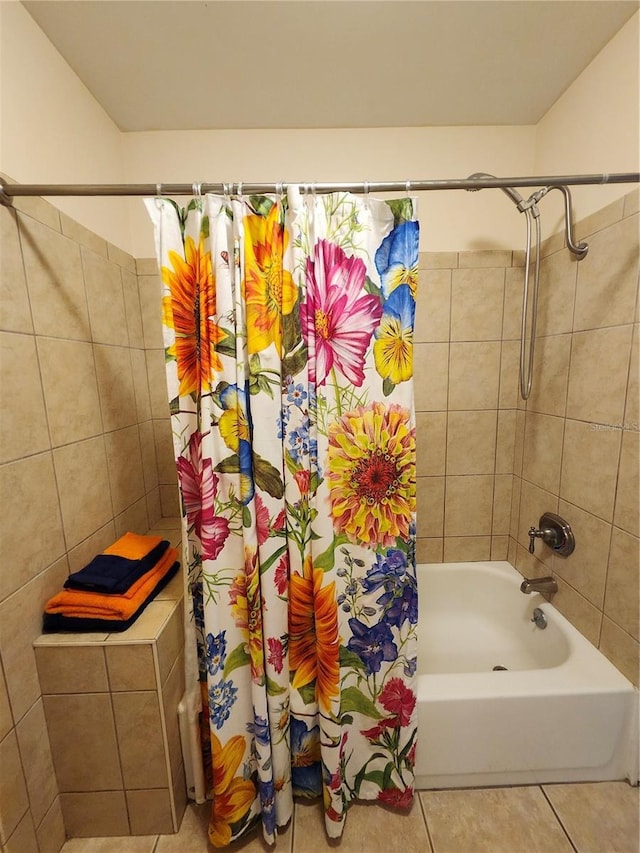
x: 514, y: 195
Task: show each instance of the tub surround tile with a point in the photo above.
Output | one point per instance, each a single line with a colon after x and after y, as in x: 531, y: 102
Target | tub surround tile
x: 623, y: 576
x: 150, y: 288
x: 631, y: 203
x: 477, y: 297
x: 171, y: 642
x: 509, y: 394
x: 148, y: 625
x: 468, y: 506
x: 474, y: 375
x: 598, y: 374
x: 502, y: 488
x: 169, y: 499
x: 149, y: 811
x: 430, y: 501
x: 505, y: 441
x: 124, y: 462
x: 471, y: 442
x: 146, y: 266
x: 499, y: 547
x: 154, y: 507
x: 55, y: 281
x: 6, y: 718
x: 105, y: 300
x: 535, y: 501
x: 148, y: 455
x: 516, y: 493
x: 142, y: 759
x: 613, y: 257
x: 598, y: 815
x: 14, y: 800
x: 432, y: 383
x: 621, y: 649
x: 431, y: 443
x: 132, y: 308
x: 122, y: 258
x: 38, y: 209
x: 92, y: 545
x: 85, y: 501
x: 23, y: 423
x: 485, y: 258
x: 15, y: 312
x: 463, y: 548
x: 140, y: 385
x: 23, y: 839
x: 172, y: 691
x: 513, y: 291
x: 70, y: 389
x: 133, y: 518
x: 542, y: 453
x: 589, y: 467
x: 429, y: 550
x: 165, y: 456
x: 437, y: 260
x: 529, y: 565
x: 71, y: 669
x: 550, y: 375
x: 556, y: 294
x: 586, y: 568
x: 627, y: 512
x: 79, y: 234
x: 95, y: 813
x: 131, y: 667
x: 497, y: 820
x: 156, y: 373
x: 115, y: 384
x: 580, y: 612
x: 632, y: 405
x: 433, y: 307
x: 51, y: 832
x: 37, y: 763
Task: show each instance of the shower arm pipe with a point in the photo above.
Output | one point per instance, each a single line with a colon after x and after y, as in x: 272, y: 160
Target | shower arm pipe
x: 9, y: 190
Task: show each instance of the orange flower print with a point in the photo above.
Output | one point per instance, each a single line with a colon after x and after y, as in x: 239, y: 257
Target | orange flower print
x: 188, y: 310
x: 269, y: 289
x: 245, y: 600
x: 232, y: 795
x: 313, y: 633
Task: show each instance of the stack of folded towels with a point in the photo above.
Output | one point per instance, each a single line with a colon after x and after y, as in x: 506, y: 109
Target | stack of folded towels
x: 114, y: 588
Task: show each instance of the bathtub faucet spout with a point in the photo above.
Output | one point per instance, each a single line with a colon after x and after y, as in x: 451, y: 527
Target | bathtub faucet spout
x: 530, y: 585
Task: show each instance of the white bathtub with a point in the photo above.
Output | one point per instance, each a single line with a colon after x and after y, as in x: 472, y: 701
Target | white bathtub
x: 559, y: 713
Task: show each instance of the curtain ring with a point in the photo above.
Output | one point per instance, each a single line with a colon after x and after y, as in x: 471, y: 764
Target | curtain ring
x: 197, y: 190
x: 313, y: 189
x: 240, y: 189
x: 279, y: 188
x: 408, y: 188
x: 158, y: 196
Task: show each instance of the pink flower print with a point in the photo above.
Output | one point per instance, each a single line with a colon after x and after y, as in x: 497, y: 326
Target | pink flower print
x: 199, y: 486
x: 262, y: 520
x: 281, y: 575
x: 338, y: 314
x: 276, y: 653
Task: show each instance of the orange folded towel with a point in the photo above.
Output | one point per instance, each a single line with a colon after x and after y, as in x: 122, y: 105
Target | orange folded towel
x: 133, y: 546
x: 83, y: 604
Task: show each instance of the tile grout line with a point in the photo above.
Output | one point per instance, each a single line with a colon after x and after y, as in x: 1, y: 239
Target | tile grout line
x: 426, y: 822
x: 557, y: 816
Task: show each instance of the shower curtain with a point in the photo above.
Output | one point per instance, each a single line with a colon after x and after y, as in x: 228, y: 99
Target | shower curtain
x: 288, y: 331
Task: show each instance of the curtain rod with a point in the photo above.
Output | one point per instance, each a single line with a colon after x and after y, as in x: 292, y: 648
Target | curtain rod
x: 9, y: 191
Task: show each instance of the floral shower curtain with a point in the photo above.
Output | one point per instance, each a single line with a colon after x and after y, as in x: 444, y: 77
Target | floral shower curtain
x: 288, y: 328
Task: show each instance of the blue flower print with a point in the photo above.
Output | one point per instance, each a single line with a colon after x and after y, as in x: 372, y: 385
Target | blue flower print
x: 267, y: 801
x: 410, y: 667
x: 397, y: 258
x: 296, y: 394
x: 216, y: 652
x: 222, y: 697
x: 299, y: 441
x: 259, y: 728
x: 372, y: 645
x: 401, y: 607
x: 387, y: 571
x: 282, y: 420
x: 306, y: 773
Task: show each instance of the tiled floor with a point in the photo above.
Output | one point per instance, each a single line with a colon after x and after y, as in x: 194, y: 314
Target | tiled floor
x: 597, y: 817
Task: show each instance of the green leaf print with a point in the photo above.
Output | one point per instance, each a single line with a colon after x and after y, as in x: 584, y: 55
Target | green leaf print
x: 238, y: 657
x: 352, y: 699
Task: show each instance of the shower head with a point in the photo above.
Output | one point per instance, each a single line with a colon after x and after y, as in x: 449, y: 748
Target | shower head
x: 514, y: 195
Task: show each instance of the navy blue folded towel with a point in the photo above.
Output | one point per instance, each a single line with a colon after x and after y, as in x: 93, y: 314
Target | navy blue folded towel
x: 109, y: 573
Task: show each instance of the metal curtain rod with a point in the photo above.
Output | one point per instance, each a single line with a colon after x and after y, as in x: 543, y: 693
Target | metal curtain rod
x: 9, y: 191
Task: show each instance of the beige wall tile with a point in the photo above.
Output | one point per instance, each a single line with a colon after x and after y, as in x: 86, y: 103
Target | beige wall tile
x: 123, y: 259
x: 586, y: 568
x: 15, y: 312
x: 430, y: 500
x: 146, y: 266
x: 493, y: 820
x: 83, y: 742
x: 431, y: 443
x: 612, y: 262
x: 171, y: 642
x: 134, y: 518
x: 550, y: 375
x: 154, y: 507
x: 20, y: 625
x: 150, y: 288
x: 430, y: 386
x: 471, y: 442
x: 485, y: 258
x: 142, y: 759
x: 70, y: 389
x: 513, y: 290
x: 529, y: 565
x: 165, y: 458
x: 83, y: 485
x: 429, y: 550
x: 589, y: 467
x: 518, y: 449
x: 23, y: 424
x: 468, y: 506
x: 131, y: 667
x: 474, y: 374
x: 477, y: 297
x: 79, y: 234
x: 627, y: 514
x: 542, y: 454
x: 509, y: 397
x: 535, y: 501
x: 621, y: 649
x: 14, y: 801
x: 115, y: 386
x: 601, y: 219
x: 462, y: 548
x: 556, y: 294
x: 433, y: 307
x: 33, y: 741
x: 516, y: 490
x: 172, y: 691
x: 505, y: 441
x: 24, y: 838
x: 148, y: 625
x: 632, y: 406
x: 71, y: 669
x: 437, y: 260
x: 6, y: 719
x: 158, y: 382
x: 29, y: 503
x: 150, y: 811
x: 95, y: 814
x: 55, y: 282
x: 623, y: 575
x: 132, y: 308
x: 148, y: 453
x: 124, y: 462
x: 598, y: 374
x: 502, y: 489
x: 580, y: 612
x: 39, y: 209
x: 140, y: 385
x: 598, y: 816
x: 51, y: 833
x: 94, y: 544
x: 180, y: 801
x: 631, y: 203
x: 499, y: 547
x: 105, y: 300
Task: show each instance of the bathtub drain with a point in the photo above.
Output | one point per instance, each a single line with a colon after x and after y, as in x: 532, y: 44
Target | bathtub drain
x: 499, y: 668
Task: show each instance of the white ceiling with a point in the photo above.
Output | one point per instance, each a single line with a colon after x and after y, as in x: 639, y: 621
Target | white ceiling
x: 179, y: 64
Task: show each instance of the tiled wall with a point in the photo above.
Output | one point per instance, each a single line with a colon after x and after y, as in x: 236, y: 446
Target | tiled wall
x: 578, y: 438
x: 82, y: 456
x: 465, y: 394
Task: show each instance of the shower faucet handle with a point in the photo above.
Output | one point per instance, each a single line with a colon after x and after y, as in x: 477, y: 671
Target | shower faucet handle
x: 556, y: 532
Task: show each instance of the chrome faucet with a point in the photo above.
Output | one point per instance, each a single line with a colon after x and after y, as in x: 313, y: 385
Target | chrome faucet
x: 530, y: 585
